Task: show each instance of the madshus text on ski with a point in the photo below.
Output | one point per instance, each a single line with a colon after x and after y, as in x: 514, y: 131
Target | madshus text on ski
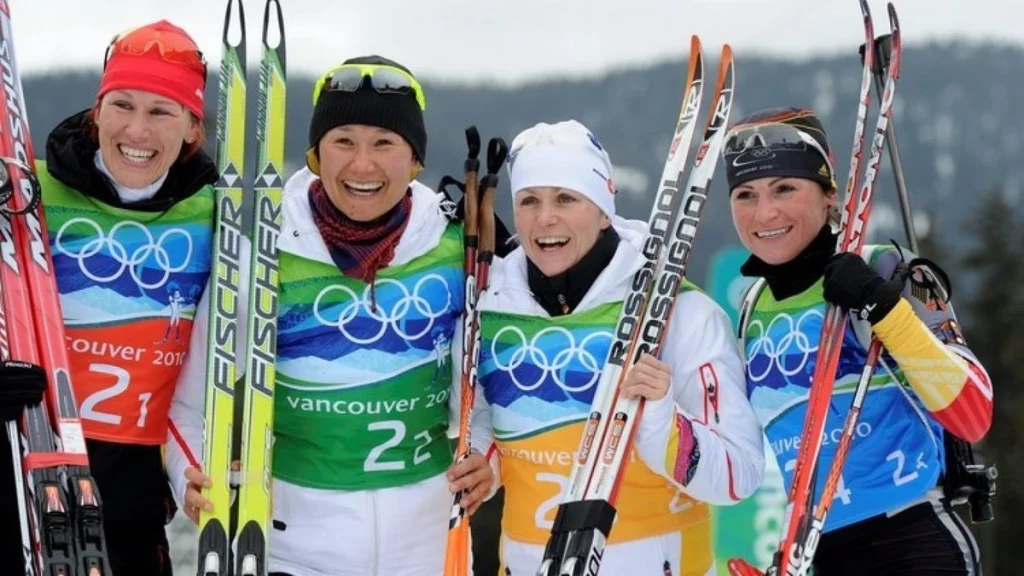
x: 329, y: 372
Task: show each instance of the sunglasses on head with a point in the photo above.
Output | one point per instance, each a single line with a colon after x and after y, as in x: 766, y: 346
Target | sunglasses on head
x: 383, y: 79
x: 775, y: 137
x: 172, y: 47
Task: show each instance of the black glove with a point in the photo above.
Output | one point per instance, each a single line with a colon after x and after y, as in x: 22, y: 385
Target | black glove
x: 21, y: 385
x: 853, y: 285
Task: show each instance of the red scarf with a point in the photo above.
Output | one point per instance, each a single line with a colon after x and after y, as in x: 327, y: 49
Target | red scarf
x: 359, y: 249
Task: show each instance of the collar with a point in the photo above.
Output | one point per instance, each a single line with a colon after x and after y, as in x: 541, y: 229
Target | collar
x: 793, y: 277
x: 562, y: 293
x: 126, y: 194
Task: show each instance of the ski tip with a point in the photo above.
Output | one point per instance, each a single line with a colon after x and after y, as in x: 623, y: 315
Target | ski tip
x: 695, y: 69
x: 726, y: 71
x: 896, y: 40
x: 865, y: 9
x: 269, y: 42
x: 894, y: 21
x: 727, y: 52
x: 228, y: 20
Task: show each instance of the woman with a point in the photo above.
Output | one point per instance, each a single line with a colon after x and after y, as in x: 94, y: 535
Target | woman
x: 888, y: 515
x: 370, y: 294
x: 129, y: 205
x: 546, y: 328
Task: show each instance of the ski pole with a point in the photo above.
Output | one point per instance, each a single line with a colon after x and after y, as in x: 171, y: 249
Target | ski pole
x: 883, y: 54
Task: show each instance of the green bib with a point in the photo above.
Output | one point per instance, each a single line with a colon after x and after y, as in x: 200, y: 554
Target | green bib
x: 365, y: 372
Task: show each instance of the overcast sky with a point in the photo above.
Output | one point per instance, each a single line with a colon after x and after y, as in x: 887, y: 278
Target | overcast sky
x: 508, y: 41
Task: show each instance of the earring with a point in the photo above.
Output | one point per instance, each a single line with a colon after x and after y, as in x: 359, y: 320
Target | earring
x: 312, y: 161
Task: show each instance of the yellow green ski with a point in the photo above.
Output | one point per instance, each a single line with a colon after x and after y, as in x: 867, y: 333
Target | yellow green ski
x: 257, y: 415
x: 226, y: 276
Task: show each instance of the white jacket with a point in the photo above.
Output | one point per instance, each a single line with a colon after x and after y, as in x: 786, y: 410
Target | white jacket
x: 700, y: 349
x: 389, y: 531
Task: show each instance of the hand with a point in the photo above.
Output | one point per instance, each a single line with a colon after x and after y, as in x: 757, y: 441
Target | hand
x: 21, y: 385
x: 194, y: 500
x: 474, y: 475
x: 853, y: 285
x: 648, y: 378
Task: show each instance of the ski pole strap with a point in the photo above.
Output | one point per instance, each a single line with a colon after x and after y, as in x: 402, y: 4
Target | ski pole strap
x: 447, y: 181
x: 473, y: 145
x: 497, y: 152
x: 8, y: 185
x: 582, y: 515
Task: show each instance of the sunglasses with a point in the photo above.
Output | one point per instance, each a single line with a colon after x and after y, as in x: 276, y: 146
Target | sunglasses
x: 173, y: 48
x: 383, y: 79
x: 762, y: 139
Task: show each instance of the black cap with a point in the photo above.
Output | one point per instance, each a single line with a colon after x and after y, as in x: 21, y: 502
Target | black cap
x: 807, y: 163
x: 400, y: 113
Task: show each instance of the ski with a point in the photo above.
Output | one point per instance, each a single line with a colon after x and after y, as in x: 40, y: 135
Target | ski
x: 657, y: 225
x: 661, y: 213
x: 221, y: 372
x: 583, y: 522
x: 585, y: 545
x: 804, y: 522
x: 479, y: 252
x: 254, y: 486
x: 59, y: 506
x: 958, y: 451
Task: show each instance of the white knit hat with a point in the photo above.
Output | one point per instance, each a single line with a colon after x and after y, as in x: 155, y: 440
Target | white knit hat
x: 562, y: 155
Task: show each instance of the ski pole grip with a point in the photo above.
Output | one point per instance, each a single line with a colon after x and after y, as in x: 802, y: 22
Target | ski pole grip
x: 487, y: 224
x: 470, y: 193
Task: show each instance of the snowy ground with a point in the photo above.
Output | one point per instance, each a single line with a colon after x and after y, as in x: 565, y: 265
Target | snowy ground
x: 183, y: 536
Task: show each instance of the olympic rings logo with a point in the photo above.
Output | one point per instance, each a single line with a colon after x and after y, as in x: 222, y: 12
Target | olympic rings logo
x: 554, y: 368
x: 794, y: 343
x: 150, y: 251
x: 361, y: 306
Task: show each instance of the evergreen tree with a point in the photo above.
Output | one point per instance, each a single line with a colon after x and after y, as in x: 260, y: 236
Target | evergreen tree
x: 994, y: 313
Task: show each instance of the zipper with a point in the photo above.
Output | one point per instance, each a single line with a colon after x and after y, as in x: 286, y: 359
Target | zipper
x: 565, y: 305
x: 709, y: 378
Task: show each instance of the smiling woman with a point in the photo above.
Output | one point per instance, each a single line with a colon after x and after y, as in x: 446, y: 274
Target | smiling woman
x: 546, y: 328
x: 141, y: 134
x: 890, y: 515
x: 371, y: 293
x: 129, y: 205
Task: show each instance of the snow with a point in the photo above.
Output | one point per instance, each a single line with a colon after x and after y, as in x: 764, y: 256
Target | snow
x: 527, y: 414
x: 769, y: 402
x: 364, y: 366
x: 97, y: 304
